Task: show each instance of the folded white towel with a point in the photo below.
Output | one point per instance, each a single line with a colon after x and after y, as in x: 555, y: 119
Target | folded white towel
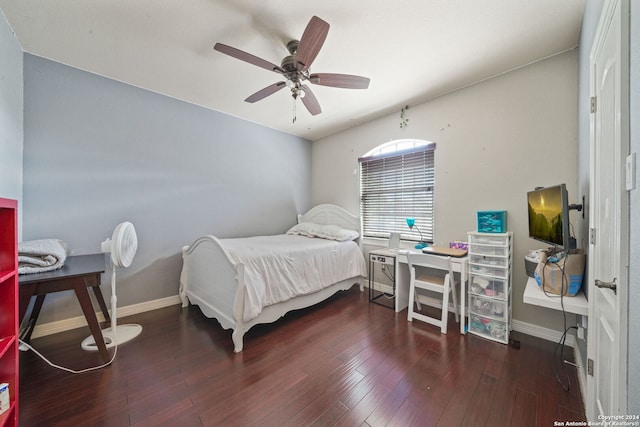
x: 38, y: 256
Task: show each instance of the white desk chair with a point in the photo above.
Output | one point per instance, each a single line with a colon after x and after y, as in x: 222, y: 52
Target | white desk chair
x: 431, y: 283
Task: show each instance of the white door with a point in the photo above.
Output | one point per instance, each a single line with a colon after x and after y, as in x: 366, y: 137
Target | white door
x: 609, y: 216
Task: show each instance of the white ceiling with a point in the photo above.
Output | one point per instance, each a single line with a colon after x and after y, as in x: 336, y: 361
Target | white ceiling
x: 413, y: 50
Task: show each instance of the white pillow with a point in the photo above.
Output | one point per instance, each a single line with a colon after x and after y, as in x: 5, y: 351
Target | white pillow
x: 330, y: 232
x: 333, y: 232
x: 308, y: 229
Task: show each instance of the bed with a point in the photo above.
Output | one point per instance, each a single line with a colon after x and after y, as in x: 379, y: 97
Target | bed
x: 247, y: 281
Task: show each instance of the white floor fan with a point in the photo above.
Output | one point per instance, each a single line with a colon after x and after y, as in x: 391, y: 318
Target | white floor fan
x: 122, y: 246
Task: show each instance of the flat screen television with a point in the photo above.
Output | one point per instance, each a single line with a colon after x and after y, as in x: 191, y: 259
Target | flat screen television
x: 549, y: 216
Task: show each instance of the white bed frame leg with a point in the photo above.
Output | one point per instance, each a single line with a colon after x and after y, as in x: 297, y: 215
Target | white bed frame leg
x: 237, y: 340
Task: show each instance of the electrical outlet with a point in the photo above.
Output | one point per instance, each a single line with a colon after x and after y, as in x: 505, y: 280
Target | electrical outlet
x: 580, y: 332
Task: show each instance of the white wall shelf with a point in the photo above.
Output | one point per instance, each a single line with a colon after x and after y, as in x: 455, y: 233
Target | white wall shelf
x: 577, y: 304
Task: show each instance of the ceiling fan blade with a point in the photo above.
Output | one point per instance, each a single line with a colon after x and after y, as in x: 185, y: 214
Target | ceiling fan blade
x: 312, y: 40
x: 310, y: 101
x: 247, y: 57
x: 346, y: 81
x: 263, y: 93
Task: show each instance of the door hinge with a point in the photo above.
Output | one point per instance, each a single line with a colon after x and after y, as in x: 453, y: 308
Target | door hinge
x: 592, y: 236
x: 593, y: 104
x: 590, y: 367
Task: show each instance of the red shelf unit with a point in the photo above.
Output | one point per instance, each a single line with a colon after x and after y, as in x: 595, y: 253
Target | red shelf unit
x: 9, y: 307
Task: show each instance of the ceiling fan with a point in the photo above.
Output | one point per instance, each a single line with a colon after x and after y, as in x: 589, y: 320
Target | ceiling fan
x: 295, y: 68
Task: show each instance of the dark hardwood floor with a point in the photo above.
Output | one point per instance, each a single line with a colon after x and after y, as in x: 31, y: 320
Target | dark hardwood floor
x: 343, y: 362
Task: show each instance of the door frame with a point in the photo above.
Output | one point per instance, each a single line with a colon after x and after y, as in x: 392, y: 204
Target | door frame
x: 607, y: 16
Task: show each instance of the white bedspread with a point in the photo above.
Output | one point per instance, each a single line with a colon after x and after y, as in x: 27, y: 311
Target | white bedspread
x: 278, y: 268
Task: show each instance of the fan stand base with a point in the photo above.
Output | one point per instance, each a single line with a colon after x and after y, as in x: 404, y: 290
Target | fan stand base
x: 125, y: 333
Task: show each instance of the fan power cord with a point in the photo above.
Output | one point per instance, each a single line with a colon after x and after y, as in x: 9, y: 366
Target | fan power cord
x: 24, y: 345
x: 559, y: 362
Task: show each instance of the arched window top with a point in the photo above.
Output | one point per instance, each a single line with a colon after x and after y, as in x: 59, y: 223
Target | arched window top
x: 398, y: 145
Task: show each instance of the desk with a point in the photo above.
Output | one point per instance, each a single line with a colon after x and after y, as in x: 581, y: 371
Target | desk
x: 459, y: 265
x: 533, y: 294
x: 78, y: 274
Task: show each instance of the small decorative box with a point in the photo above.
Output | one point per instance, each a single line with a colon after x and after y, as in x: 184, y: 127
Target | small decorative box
x: 459, y: 245
x: 492, y: 221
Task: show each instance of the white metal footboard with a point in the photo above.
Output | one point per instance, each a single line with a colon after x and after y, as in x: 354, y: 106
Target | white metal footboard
x: 212, y: 281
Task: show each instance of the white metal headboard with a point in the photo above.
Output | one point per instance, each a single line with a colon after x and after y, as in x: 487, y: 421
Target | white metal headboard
x: 326, y: 214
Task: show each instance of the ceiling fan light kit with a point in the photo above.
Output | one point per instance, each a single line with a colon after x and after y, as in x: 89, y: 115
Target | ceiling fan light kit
x: 295, y: 68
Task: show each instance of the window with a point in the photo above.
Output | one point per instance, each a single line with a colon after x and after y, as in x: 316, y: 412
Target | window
x: 396, y: 182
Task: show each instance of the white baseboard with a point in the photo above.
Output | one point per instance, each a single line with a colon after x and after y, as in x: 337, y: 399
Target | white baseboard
x: 541, y: 332
x: 80, y: 321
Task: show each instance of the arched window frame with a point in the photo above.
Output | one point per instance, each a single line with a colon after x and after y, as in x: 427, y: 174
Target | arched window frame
x: 397, y: 181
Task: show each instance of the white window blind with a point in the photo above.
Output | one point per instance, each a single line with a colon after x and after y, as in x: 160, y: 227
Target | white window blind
x: 395, y: 186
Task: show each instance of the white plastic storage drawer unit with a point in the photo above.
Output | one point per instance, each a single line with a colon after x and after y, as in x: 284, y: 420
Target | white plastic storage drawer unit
x: 491, y: 287
x: 488, y: 270
x: 491, y: 261
x: 489, y: 307
x: 489, y: 328
x: 490, y: 276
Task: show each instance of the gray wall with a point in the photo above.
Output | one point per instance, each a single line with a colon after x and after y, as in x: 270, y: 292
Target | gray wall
x: 11, y: 127
x: 633, y: 395
x: 98, y: 152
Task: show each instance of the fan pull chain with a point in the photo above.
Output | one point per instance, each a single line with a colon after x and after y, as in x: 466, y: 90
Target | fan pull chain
x: 294, y: 111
